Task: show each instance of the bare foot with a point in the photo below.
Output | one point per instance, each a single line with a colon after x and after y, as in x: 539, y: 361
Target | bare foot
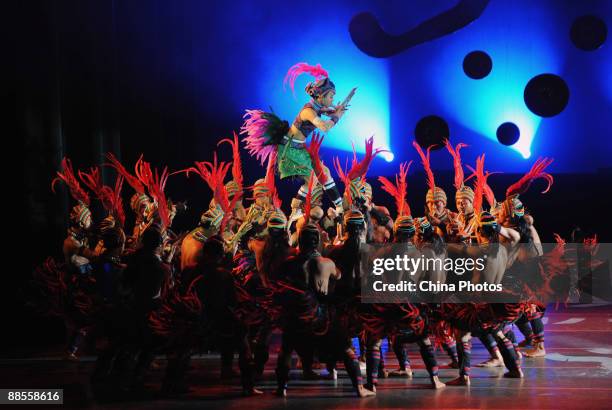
x: 459, y: 381
x: 514, y: 374
x: 281, y: 392
x: 363, y: 392
x: 401, y: 373
x: 436, y: 383
x: 491, y: 363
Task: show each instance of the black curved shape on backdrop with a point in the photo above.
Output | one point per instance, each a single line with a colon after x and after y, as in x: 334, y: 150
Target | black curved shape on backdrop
x: 369, y: 36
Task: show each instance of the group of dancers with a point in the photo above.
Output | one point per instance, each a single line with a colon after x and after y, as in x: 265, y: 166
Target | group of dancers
x: 247, y: 269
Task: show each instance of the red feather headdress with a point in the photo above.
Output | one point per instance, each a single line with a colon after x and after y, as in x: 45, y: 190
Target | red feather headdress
x: 155, y: 184
x: 399, y: 189
x: 456, y: 162
x: 110, y: 198
x: 303, y: 68
x: 132, y: 180
x: 67, y: 175
x: 236, y: 163
x: 537, y: 171
x: 313, y: 150
x: 431, y: 182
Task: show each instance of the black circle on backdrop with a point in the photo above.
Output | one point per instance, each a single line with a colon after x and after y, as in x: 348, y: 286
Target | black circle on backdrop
x: 588, y: 32
x: 477, y: 65
x: 431, y: 130
x: 546, y: 95
x: 508, y: 133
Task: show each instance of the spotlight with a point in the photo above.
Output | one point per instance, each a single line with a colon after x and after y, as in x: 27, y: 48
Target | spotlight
x: 388, y: 156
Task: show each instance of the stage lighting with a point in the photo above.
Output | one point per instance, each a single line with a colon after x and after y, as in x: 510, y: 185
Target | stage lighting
x: 387, y: 156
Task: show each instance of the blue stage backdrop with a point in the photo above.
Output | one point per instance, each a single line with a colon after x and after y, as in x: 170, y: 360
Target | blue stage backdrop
x: 255, y: 43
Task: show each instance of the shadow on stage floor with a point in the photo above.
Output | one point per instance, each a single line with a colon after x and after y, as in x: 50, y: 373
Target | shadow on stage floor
x: 576, y: 373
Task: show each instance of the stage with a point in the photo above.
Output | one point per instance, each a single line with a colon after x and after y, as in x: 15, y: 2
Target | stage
x: 576, y: 373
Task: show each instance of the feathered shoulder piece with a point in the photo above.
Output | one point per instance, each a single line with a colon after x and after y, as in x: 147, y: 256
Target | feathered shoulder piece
x: 68, y: 177
x: 537, y: 171
x: 298, y: 69
x: 263, y: 132
x: 399, y: 189
x: 456, y: 162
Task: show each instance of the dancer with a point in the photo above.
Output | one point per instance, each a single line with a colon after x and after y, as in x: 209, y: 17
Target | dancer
x: 266, y: 133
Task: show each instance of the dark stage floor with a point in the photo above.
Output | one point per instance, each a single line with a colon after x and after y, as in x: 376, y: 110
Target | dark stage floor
x: 576, y: 373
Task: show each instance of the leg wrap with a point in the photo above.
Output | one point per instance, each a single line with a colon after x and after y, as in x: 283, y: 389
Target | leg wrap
x: 451, y: 349
x: 464, y: 350
x: 538, y: 330
x: 429, y: 358
x: 351, y: 363
x: 372, y: 362
x: 332, y: 192
x: 509, y: 354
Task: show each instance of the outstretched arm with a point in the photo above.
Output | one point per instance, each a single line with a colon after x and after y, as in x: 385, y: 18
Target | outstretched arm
x: 308, y: 114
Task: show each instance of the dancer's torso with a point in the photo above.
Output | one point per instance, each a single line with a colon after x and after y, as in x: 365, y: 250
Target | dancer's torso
x: 301, y: 129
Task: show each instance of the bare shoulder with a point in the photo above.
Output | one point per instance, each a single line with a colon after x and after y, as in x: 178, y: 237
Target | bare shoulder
x: 308, y: 113
x: 325, y: 262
